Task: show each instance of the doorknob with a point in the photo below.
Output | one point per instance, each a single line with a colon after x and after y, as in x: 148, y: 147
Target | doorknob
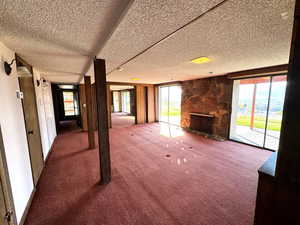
x: 30, y: 132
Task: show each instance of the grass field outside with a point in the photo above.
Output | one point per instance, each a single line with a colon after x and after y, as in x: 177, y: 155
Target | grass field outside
x: 172, y: 112
x: 259, y: 122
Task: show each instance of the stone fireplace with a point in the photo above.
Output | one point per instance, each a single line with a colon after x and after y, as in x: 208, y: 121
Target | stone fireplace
x: 208, y: 96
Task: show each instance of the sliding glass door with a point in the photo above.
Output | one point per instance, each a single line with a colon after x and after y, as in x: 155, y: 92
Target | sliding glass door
x: 170, y: 104
x: 257, y: 106
x: 125, y: 101
x: 116, y: 101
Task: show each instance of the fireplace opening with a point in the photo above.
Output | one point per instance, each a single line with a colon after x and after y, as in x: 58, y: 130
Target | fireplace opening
x: 201, y: 122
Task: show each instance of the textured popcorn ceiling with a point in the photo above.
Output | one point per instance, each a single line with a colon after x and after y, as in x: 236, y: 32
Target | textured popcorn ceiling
x: 238, y: 35
x: 59, y: 37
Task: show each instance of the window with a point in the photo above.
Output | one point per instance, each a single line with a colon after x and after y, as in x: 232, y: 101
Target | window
x: 257, y: 106
x: 116, y: 101
x: 126, y: 101
x: 70, y: 103
x: 170, y: 104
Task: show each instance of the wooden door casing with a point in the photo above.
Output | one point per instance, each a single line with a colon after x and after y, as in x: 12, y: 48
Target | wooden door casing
x: 32, y: 126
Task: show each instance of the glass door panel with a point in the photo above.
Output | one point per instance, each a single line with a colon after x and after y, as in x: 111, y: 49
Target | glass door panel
x: 258, y: 125
x: 116, y: 101
x: 164, y: 104
x: 249, y: 110
x: 126, y: 101
x: 174, y: 105
x: 275, y: 112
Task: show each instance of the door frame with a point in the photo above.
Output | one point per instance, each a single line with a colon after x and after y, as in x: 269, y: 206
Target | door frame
x: 267, y: 115
x: 5, y: 183
x: 158, y: 101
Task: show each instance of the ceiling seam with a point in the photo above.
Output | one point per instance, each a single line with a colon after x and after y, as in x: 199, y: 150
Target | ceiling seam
x: 168, y: 36
x: 98, y: 50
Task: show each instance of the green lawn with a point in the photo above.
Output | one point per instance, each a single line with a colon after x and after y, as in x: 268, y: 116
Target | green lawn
x: 172, y: 112
x: 259, y: 122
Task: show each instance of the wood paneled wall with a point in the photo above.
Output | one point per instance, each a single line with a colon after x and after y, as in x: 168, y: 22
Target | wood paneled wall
x: 141, y: 103
x: 151, y: 104
x: 83, y: 111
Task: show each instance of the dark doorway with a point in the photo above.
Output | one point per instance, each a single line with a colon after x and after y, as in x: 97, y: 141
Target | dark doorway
x: 66, y: 107
x: 123, y: 105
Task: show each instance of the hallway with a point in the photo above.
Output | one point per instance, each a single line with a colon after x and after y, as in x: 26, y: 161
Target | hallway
x: 158, y: 177
x: 122, y: 119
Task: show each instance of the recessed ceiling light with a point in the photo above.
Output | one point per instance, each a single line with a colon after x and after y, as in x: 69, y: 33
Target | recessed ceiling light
x: 201, y: 60
x: 135, y: 79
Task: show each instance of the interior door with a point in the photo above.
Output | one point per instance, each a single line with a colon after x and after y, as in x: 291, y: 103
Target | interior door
x: 32, y: 126
x: 7, y: 215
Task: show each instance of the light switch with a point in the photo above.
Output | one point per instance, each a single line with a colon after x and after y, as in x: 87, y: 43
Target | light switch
x: 19, y: 94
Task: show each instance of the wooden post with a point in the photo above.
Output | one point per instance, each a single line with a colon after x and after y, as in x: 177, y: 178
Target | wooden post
x: 288, y: 161
x: 109, y: 101
x: 89, y: 109
x: 102, y: 111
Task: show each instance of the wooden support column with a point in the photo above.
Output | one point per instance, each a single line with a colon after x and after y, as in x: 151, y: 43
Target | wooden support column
x: 103, y: 120
x: 278, y: 195
x: 109, y: 101
x: 88, y: 95
x: 140, y: 104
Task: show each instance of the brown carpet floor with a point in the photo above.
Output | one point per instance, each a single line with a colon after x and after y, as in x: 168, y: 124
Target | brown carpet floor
x: 160, y: 175
x: 122, y: 120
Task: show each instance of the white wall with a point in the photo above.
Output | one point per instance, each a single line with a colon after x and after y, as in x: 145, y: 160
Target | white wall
x: 13, y: 130
x: 45, y: 112
x: 14, y: 135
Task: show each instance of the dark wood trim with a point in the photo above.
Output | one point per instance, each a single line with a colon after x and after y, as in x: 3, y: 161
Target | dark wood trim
x: 170, y: 83
x: 136, y: 107
x: 21, y: 62
x: 88, y: 96
x: 103, y: 132
x: 271, y: 70
x: 125, y: 83
x: 109, y: 102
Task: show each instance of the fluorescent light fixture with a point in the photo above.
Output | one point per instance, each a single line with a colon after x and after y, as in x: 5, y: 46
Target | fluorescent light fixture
x: 135, y: 79
x: 201, y: 60
x: 66, y: 86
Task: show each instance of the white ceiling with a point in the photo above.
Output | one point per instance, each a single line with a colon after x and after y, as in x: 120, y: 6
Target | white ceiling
x: 59, y: 37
